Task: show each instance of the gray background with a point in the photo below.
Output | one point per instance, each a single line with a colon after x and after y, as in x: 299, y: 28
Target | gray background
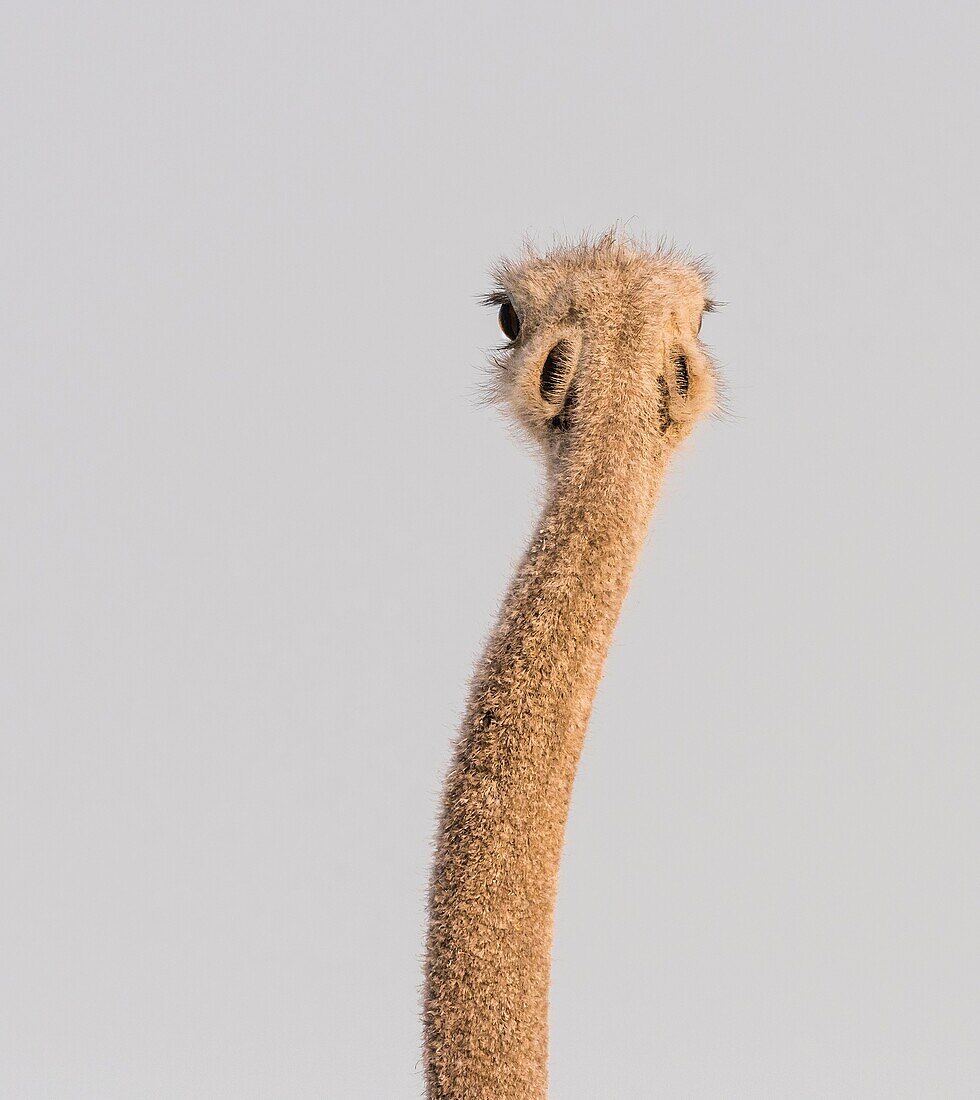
x: 256, y: 524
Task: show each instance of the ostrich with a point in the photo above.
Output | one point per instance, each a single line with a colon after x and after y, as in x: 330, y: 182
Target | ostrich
x: 604, y: 369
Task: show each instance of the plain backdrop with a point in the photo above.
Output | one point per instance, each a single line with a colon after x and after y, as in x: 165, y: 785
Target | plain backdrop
x: 256, y: 523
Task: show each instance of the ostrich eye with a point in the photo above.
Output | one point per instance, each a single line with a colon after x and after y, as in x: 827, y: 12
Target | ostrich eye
x: 510, y: 323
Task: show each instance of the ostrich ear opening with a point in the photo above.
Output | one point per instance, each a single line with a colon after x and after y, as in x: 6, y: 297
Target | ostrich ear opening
x: 554, y: 376
x: 682, y: 375
x: 689, y: 382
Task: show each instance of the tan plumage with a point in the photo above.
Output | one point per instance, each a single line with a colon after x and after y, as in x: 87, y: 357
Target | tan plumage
x: 625, y: 386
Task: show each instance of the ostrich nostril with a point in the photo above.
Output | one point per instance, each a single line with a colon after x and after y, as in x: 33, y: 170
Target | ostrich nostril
x: 554, y: 371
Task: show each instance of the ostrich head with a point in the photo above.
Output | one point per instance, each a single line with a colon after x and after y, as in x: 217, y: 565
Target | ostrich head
x: 602, y: 352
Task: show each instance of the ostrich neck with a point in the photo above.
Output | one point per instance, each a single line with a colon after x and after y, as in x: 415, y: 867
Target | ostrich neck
x: 507, y: 796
